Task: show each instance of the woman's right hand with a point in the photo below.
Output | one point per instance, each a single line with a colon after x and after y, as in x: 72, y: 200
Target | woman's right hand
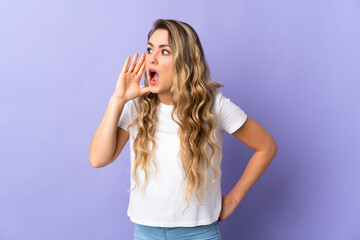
x: 127, y: 86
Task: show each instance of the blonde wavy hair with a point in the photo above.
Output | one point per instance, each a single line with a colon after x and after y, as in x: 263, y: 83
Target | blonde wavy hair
x: 193, y: 97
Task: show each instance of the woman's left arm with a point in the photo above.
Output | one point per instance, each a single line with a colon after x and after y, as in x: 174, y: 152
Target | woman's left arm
x: 253, y: 135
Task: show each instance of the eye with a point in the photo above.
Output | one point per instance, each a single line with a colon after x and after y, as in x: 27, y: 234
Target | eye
x: 148, y: 50
x: 165, y: 51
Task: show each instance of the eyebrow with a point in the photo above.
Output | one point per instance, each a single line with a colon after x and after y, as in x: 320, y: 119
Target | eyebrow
x: 160, y: 46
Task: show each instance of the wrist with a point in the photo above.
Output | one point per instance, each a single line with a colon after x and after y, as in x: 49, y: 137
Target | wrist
x: 118, y: 100
x: 235, y: 198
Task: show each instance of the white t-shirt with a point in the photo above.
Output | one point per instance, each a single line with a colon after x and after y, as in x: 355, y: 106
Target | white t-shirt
x: 163, y: 200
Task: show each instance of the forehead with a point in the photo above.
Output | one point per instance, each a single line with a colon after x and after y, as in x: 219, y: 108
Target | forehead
x: 160, y: 36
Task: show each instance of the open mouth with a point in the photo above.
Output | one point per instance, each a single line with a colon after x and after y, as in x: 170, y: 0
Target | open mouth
x: 154, y: 76
x: 152, y: 73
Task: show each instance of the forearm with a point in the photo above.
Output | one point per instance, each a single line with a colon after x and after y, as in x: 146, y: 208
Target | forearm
x: 103, y: 144
x: 255, y: 168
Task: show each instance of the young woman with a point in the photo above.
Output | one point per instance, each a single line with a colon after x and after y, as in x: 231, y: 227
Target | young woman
x: 176, y: 125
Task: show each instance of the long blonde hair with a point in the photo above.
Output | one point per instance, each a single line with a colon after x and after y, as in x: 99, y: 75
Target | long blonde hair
x: 193, y: 98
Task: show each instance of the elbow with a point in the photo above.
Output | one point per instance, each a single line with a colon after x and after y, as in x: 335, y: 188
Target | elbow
x: 97, y: 162
x: 94, y: 163
x: 275, y: 148
x: 272, y: 150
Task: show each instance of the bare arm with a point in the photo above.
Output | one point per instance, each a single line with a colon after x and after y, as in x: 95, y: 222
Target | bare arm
x: 109, y: 140
x: 104, y: 141
x: 253, y: 135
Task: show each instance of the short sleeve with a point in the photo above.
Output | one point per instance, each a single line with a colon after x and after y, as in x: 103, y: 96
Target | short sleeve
x: 231, y: 116
x: 124, y: 120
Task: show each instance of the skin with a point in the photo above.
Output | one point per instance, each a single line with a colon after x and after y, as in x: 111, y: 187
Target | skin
x: 160, y: 58
x: 251, y: 133
x: 254, y: 136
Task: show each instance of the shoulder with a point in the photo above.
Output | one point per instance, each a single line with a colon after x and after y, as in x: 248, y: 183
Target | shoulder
x: 219, y: 101
x: 230, y: 115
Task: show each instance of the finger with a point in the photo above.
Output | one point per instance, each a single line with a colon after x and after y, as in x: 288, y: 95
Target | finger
x: 132, y: 64
x: 139, y: 63
x: 126, y: 64
x: 140, y: 72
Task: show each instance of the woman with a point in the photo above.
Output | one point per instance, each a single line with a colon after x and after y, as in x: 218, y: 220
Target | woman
x: 177, y: 123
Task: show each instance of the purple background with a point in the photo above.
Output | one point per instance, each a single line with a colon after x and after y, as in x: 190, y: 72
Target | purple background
x: 293, y: 66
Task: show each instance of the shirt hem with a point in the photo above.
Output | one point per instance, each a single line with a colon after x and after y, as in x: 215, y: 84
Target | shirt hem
x: 173, y: 224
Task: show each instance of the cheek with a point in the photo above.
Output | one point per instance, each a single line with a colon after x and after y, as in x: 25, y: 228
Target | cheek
x: 168, y: 65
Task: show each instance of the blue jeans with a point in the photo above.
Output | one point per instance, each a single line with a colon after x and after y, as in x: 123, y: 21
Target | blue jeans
x: 202, y: 232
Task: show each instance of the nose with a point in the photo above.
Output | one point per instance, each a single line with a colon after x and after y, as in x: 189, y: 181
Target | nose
x: 153, y: 58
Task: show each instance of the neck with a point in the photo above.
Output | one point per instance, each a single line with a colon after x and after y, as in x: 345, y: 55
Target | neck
x: 165, y: 99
